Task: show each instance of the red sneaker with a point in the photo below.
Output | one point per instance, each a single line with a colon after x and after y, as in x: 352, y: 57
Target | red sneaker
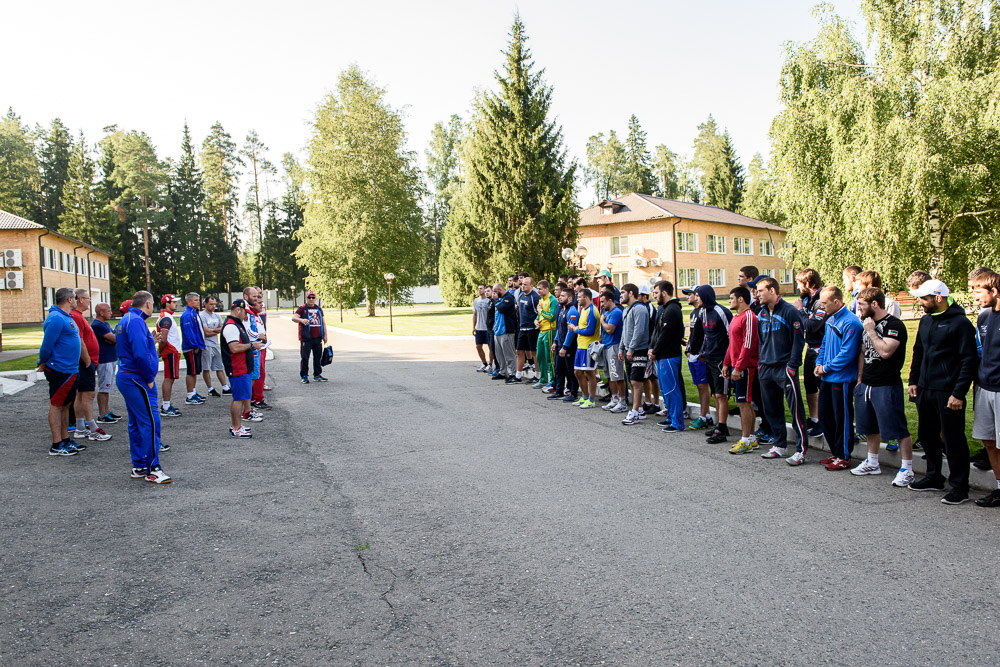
x: 827, y: 461
x: 838, y: 464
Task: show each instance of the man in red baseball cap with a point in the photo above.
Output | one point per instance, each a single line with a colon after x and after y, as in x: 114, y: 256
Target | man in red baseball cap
x: 312, y: 337
x: 170, y: 352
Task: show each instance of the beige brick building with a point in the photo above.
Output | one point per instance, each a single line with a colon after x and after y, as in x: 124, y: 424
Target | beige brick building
x: 37, y: 262
x: 642, y: 239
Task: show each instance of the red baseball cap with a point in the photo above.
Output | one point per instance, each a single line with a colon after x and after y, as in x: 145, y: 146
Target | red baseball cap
x: 125, y: 306
x: 167, y: 298
x: 310, y: 293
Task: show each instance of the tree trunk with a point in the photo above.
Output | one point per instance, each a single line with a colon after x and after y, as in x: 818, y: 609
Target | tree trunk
x: 937, y: 230
x: 370, y: 301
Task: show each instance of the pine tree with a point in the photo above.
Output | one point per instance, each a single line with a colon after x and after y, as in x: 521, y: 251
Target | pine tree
x: 363, y: 219
x: 720, y: 169
x: 81, y: 211
x: 190, y: 259
x: 20, y: 175
x: 637, y: 175
x: 281, y: 234
x: 519, y: 192
x: 220, y: 164
x: 54, y: 156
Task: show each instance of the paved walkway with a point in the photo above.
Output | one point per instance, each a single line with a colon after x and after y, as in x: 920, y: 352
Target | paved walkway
x: 412, y: 511
x: 7, y: 355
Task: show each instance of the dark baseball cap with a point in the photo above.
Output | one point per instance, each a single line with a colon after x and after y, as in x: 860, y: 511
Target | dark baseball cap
x: 687, y: 291
x: 239, y: 303
x: 752, y: 284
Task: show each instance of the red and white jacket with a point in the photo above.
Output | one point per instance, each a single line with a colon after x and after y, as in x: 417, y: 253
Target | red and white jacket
x: 744, y: 341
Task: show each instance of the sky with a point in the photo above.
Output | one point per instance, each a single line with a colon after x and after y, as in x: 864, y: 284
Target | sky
x: 267, y: 65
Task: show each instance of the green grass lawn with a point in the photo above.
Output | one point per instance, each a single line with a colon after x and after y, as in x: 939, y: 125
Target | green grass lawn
x: 30, y: 338
x: 25, y: 363
x: 416, y: 320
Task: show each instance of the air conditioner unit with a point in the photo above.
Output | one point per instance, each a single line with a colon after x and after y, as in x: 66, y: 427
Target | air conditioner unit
x: 11, y: 258
x: 13, y: 280
x: 656, y: 261
x: 639, y: 261
x: 639, y: 250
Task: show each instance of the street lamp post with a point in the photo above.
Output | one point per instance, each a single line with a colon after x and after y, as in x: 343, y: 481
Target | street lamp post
x: 567, y: 255
x: 581, y: 252
x: 388, y: 279
x: 340, y: 297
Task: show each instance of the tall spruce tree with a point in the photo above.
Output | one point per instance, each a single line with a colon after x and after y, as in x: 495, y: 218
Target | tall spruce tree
x: 81, y: 209
x: 20, y: 175
x: 519, y: 192
x: 363, y: 218
x: 190, y: 260
x: 281, y: 234
x: 220, y: 164
x: 720, y: 169
x: 637, y: 174
x: 54, y: 155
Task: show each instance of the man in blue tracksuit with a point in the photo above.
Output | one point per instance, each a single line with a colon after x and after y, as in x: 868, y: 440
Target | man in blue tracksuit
x: 192, y: 346
x: 138, y: 363
x: 781, y: 343
x: 837, y: 369
x: 564, y: 376
x: 59, y: 359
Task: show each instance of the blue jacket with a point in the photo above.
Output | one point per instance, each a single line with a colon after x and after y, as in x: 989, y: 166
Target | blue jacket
x: 572, y: 317
x: 60, y: 348
x: 838, y: 355
x: 527, y: 309
x: 782, y: 335
x: 505, y: 321
x: 137, y: 357
x: 561, y: 328
x: 193, y: 338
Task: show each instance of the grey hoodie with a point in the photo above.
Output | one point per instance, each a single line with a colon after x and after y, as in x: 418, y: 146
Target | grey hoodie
x: 635, y: 329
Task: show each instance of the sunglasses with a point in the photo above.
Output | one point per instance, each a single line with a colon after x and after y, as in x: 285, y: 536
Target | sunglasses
x: 310, y: 297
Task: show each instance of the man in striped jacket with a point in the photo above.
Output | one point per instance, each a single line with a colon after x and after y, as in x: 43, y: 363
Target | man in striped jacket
x: 740, y: 364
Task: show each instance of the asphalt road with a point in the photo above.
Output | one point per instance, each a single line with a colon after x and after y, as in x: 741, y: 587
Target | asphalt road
x: 413, y: 512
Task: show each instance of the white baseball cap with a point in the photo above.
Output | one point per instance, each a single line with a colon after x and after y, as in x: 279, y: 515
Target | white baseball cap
x: 643, y: 289
x: 931, y: 287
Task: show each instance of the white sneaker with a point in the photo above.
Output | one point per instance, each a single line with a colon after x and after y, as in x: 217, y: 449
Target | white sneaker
x: 775, y: 453
x: 867, y: 468
x: 796, y: 459
x: 481, y: 369
x: 157, y: 476
x: 609, y: 405
x: 631, y: 418
x: 99, y: 435
x: 662, y: 413
x: 254, y: 417
x: 903, y: 478
x: 642, y: 413
x: 618, y: 408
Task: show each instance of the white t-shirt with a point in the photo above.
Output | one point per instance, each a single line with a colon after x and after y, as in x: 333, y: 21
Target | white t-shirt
x: 231, y: 333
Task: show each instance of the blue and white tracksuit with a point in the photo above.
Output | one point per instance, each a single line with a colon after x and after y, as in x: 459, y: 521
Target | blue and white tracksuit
x: 838, y: 355
x: 138, y: 363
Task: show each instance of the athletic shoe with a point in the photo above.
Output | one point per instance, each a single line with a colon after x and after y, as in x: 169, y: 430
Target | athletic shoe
x: 917, y: 445
x: 106, y: 419
x: 62, y: 450
x: 71, y: 428
x: 838, y: 464
x: 164, y: 447
x: 170, y: 412
x: 157, y: 476
x: 481, y: 369
x: 671, y: 429
x: 578, y: 402
x: 764, y: 438
x: 227, y: 392
x: 114, y: 416
x: 700, y: 423
x: 631, y: 418
x: 499, y: 376
x: 548, y: 389
x: 213, y: 392
x: 78, y: 446
x: 741, y: 447
x: 260, y: 405
x: 642, y: 413
x: 903, y: 478
x: 305, y: 380
x: 775, y: 453
x: 138, y: 473
x: 509, y: 380
x: 686, y: 415
x: 661, y: 413
x: 866, y: 468
x: 716, y: 436
x: 254, y: 417
x: 194, y: 400
x: 320, y: 378
x: 241, y: 433
x: 514, y: 378
x: 609, y: 405
x: 99, y: 435
x: 650, y: 407
x: 827, y: 461
x: 586, y: 405
x: 955, y: 497
x: 665, y: 422
x: 892, y: 446
x: 571, y: 399
x: 554, y: 397
x: 815, y: 429
x: 796, y: 459
x: 990, y: 500
x: 927, y: 484
x: 619, y: 408
x: 200, y: 397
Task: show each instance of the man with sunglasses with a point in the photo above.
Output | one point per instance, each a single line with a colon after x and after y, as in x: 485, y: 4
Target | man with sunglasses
x: 312, y: 337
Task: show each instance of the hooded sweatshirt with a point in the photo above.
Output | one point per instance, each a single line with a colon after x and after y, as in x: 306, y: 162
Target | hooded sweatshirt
x: 635, y: 328
x: 715, y: 322
x: 944, y: 353
x: 668, y: 333
x: 988, y: 333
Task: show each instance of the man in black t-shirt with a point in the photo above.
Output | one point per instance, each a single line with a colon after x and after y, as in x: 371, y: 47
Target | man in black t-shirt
x: 312, y: 337
x: 879, y: 406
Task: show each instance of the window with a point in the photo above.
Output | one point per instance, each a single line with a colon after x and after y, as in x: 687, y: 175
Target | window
x: 742, y: 246
x: 786, y: 277
x: 620, y: 279
x: 619, y: 245
x: 81, y: 266
x: 715, y: 244
x: 52, y: 258
x: 766, y: 248
x: 687, y: 277
x: 717, y: 277
x: 786, y: 245
x: 606, y: 210
x: 687, y: 242
x: 767, y: 272
x: 45, y: 264
x: 48, y: 297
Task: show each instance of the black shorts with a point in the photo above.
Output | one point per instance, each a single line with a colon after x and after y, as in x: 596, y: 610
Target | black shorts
x: 638, y: 369
x: 482, y: 337
x: 527, y: 340
x: 87, y: 378
x: 193, y: 359
x: 809, y: 378
x: 62, y: 387
x: 744, y: 387
x: 716, y: 385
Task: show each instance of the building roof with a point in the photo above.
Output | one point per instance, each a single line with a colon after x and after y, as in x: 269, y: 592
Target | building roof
x: 11, y: 221
x: 636, y: 207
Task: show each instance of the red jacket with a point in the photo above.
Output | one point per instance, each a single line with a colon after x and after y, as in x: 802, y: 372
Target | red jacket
x: 744, y: 339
